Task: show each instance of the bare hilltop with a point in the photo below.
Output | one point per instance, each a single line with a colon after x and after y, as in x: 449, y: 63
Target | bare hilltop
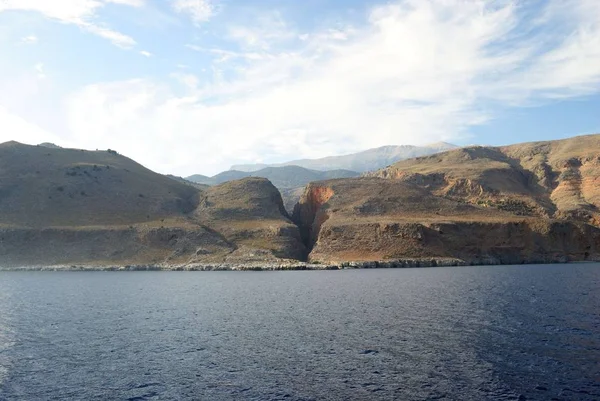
x: 525, y: 203
x: 65, y: 206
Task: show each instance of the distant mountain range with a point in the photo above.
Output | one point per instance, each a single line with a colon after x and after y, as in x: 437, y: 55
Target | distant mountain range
x: 291, y: 177
x: 281, y: 177
x: 368, y: 160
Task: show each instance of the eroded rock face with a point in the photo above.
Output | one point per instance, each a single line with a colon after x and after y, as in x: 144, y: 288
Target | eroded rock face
x: 555, y: 179
x: 250, y: 214
x: 309, y: 214
x: 471, y: 242
x: 485, y: 212
x: 108, y: 245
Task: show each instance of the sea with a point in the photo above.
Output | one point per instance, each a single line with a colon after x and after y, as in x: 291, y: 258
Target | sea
x: 528, y: 332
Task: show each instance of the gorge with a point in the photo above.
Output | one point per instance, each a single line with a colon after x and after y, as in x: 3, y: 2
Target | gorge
x: 526, y: 203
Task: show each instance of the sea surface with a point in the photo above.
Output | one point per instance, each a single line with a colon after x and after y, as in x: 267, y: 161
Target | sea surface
x: 464, y: 333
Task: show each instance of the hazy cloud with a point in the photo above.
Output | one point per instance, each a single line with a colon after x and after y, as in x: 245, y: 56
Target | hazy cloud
x: 417, y: 71
x: 77, y: 12
x: 29, y: 40
x: 198, y: 10
x: 421, y: 71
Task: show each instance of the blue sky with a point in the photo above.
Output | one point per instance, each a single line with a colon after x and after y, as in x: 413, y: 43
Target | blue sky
x: 193, y: 86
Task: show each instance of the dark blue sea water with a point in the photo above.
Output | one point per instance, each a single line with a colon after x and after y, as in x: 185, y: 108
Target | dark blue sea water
x: 466, y: 333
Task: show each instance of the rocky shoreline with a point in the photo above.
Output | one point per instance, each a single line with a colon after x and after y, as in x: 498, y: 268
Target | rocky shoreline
x: 270, y: 266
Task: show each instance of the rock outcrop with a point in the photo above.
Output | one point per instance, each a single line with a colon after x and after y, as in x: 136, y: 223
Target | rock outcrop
x: 525, y: 203
x: 555, y: 179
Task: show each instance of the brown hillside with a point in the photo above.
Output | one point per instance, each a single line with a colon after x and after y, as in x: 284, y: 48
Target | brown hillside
x: 533, y: 202
x: 251, y: 214
x: 556, y: 179
x: 67, y: 206
x: 41, y: 187
x: 373, y: 219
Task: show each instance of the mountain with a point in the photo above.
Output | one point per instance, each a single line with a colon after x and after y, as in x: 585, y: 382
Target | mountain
x: 290, y: 180
x: 69, y: 206
x: 43, y: 187
x: 281, y: 177
x: 533, y: 202
x: 554, y: 179
x: 199, y: 179
x: 527, y: 203
x: 368, y: 160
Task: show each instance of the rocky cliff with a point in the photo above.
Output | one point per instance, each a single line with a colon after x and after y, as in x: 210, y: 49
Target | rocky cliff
x: 557, y: 179
x: 533, y: 202
x: 536, y: 202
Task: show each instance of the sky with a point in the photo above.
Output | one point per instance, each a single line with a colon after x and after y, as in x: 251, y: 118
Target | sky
x: 194, y: 86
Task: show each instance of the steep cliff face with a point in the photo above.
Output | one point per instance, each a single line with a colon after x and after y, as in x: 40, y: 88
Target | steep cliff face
x: 309, y: 214
x: 473, y: 242
x: 472, y: 213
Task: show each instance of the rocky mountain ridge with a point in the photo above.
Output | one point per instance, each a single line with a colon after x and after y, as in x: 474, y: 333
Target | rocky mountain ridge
x: 527, y: 203
x: 367, y: 160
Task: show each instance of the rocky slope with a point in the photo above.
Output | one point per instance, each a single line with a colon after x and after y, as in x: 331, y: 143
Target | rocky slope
x: 368, y: 160
x: 66, y: 206
x: 523, y: 203
x: 557, y: 179
x: 535, y: 202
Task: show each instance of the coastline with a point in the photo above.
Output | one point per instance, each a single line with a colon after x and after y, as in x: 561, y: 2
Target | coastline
x: 292, y: 266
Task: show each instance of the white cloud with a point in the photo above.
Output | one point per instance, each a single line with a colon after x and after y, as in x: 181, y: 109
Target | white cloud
x: 146, y: 53
x: 29, y: 40
x: 132, y: 3
x: 81, y: 13
x: 419, y: 71
x: 115, y: 37
x: 268, y: 30
x: 198, y: 10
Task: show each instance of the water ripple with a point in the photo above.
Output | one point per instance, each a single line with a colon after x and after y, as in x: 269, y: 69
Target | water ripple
x: 481, y: 333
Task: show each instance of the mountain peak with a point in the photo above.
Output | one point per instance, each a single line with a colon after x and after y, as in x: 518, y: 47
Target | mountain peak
x: 368, y: 160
